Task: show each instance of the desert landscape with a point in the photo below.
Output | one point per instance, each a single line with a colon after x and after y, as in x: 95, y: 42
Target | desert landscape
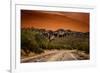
x: 54, y: 36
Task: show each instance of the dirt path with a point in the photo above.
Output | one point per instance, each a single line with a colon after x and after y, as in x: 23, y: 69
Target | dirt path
x: 39, y: 58
x: 62, y: 55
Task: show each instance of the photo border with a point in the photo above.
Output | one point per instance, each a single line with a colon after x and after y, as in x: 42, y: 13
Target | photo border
x: 14, y: 40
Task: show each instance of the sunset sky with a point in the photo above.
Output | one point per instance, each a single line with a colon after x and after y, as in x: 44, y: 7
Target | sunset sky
x: 51, y: 20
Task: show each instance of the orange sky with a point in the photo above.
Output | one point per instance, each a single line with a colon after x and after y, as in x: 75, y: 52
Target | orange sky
x: 55, y: 20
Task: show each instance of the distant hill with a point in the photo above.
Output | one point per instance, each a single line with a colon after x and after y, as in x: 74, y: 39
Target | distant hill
x: 59, y: 32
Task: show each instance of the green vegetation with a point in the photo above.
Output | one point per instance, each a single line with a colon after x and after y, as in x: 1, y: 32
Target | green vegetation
x: 35, y: 41
x: 29, y: 42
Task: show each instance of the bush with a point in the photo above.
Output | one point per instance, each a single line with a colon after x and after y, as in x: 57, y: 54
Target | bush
x: 29, y: 41
x: 34, y: 41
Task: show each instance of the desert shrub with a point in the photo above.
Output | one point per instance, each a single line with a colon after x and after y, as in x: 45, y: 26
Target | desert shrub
x: 70, y: 43
x: 33, y: 40
x: 84, y: 46
x: 80, y: 44
x: 42, y: 41
x: 38, y: 50
x: 29, y: 42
